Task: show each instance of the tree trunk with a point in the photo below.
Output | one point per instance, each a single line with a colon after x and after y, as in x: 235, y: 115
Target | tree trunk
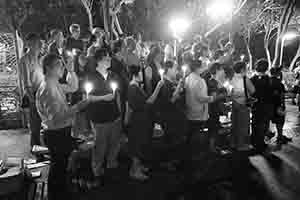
x: 89, y: 13
x: 250, y: 56
x: 295, y: 58
x: 284, y: 21
x: 266, y: 46
x: 106, y: 17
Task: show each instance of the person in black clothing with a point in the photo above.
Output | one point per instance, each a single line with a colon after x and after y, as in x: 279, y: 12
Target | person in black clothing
x: 154, y: 63
x: 119, y: 68
x: 168, y: 104
x: 104, y: 113
x: 73, y: 42
x: 262, y: 110
x: 279, y: 104
x: 214, y: 86
x: 140, y: 123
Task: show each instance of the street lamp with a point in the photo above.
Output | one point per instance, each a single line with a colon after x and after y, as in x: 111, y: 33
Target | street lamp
x: 220, y: 9
x: 287, y: 36
x: 178, y: 26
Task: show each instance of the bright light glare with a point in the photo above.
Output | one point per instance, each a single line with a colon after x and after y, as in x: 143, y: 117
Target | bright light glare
x: 289, y: 36
x: 184, y: 68
x: 114, y: 86
x: 220, y: 9
x: 179, y: 26
x: 161, y: 72
x: 242, y: 57
x: 88, y: 87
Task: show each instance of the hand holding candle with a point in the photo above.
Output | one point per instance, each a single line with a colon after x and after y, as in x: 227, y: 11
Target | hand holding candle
x: 228, y: 87
x: 88, y: 87
x: 184, y: 69
x: 114, y: 87
x: 161, y: 73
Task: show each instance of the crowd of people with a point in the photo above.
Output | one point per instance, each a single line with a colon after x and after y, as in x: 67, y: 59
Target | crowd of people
x: 184, y: 92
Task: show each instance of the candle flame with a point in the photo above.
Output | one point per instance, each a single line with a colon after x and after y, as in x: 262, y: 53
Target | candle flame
x: 88, y: 87
x: 114, y: 86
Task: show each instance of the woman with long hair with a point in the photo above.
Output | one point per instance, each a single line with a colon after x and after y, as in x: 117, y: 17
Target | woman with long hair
x: 140, y: 124
x: 154, y: 63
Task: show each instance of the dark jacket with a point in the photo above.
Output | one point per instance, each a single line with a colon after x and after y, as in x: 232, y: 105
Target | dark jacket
x: 102, y: 111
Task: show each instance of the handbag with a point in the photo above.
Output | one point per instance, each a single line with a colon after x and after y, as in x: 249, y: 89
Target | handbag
x: 250, y: 101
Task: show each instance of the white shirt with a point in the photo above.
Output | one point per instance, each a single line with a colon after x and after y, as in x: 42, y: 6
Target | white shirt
x: 52, y: 105
x: 31, y: 71
x: 196, y: 92
x: 238, y: 91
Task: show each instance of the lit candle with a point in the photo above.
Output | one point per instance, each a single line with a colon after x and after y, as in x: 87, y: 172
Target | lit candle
x: 242, y: 57
x: 114, y: 86
x: 228, y: 87
x: 161, y: 73
x: 74, y: 52
x: 88, y: 88
x: 69, y: 53
x: 184, y: 68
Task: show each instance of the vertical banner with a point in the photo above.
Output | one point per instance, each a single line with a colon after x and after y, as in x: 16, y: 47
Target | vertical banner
x: 10, y: 90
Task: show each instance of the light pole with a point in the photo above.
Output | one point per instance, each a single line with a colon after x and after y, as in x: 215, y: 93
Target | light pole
x: 287, y: 36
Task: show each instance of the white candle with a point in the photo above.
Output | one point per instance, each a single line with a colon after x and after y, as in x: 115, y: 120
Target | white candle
x: 184, y: 68
x: 88, y: 88
x: 114, y: 86
x: 161, y: 73
x: 228, y: 87
x: 242, y: 57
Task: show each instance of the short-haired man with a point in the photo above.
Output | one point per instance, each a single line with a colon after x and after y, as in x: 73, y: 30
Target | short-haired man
x: 104, y: 114
x: 32, y: 76
x: 73, y: 42
x: 263, y: 109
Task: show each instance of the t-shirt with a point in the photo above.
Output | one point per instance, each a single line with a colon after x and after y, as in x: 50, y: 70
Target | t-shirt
x: 195, y: 92
x: 72, y: 43
x: 263, y: 89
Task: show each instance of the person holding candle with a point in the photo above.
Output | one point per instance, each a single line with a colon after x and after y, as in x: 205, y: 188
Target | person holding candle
x: 140, y: 126
x: 240, y: 115
x: 214, y: 87
x: 154, y: 63
x: 57, y: 119
x: 197, y: 99
x: 173, y: 119
x: 104, y: 113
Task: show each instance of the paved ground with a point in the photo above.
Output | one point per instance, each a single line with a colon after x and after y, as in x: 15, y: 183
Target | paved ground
x: 238, y: 176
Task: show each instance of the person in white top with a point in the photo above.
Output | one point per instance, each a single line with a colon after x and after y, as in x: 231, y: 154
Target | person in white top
x: 31, y: 77
x: 197, y: 99
x: 57, y: 119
